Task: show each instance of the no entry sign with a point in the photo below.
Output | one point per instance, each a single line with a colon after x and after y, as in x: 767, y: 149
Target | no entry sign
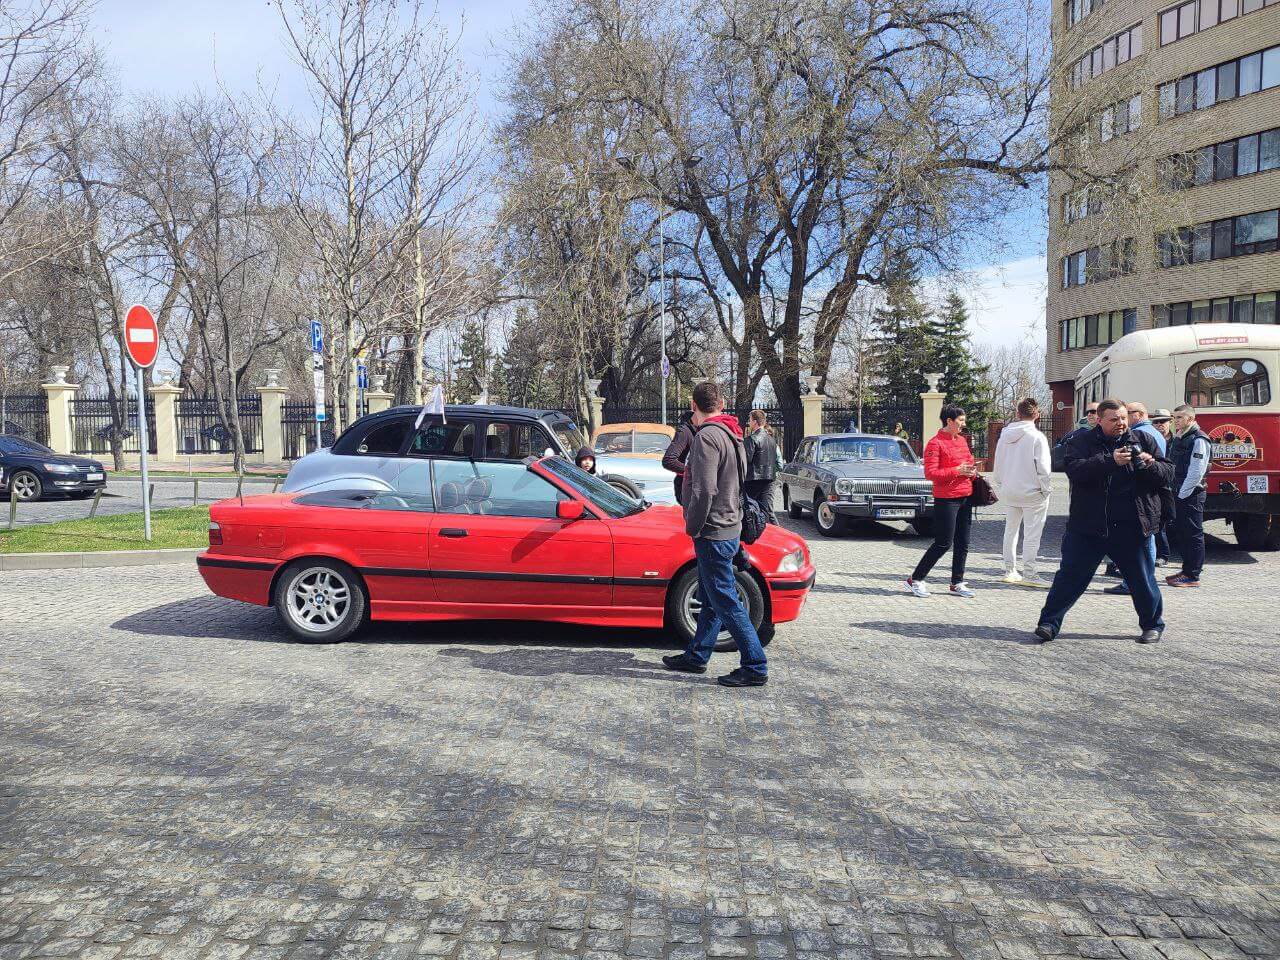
x: 141, y: 336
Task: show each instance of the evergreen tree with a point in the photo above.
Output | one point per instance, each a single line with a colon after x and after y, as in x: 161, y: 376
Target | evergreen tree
x: 900, y: 338
x: 471, y: 376
x: 964, y: 380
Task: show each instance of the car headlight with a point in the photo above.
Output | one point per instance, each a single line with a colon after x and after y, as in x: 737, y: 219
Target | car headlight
x: 60, y: 468
x: 792, y: 562
x: 844, y: 487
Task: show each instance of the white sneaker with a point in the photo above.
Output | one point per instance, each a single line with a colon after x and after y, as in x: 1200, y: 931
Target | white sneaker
x: 1036, y: 582
x: 917, y: 588
x: 1012, y: 576
x: 961, y: 590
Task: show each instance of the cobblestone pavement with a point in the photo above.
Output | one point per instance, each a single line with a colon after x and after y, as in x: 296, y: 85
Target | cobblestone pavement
x: 178, y: 781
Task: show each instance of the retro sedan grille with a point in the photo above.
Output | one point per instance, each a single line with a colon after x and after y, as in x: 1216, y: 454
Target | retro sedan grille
x: 915, y: 488
x: 871, y: 486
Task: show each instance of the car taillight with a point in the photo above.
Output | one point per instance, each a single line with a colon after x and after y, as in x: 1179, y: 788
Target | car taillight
x: 215, y: 534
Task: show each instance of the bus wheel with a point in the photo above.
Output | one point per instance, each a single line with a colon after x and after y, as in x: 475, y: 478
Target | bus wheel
x: 1257, y: 531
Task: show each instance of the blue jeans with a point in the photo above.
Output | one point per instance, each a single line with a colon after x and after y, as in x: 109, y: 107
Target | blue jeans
x: 1151, y: 549
x: 1081, y: 554
x: 722, y: 607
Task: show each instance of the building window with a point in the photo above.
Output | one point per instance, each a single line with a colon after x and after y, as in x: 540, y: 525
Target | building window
x: 1103, y: 262
x: 1095, y: 329
x: 1249, y: 308
x: 1112, y: 52
x: 1220, y: 239
x: 1074, y: 11
x: 1226, y: 81
x: 1196, y: 15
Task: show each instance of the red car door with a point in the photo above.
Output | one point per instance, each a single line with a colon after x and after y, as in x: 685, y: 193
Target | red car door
x: 497, y: 545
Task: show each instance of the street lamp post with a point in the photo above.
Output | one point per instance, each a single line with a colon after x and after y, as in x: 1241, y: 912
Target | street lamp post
x: 662, y: 306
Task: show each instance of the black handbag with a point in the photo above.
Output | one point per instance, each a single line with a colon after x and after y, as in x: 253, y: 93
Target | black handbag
x: 983, y: 495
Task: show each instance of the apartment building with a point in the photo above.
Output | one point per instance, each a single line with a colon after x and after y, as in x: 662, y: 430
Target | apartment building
x: 1206, y: 74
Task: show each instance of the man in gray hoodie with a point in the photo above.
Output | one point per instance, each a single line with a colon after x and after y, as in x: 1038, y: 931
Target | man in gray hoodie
x: 712, y: 502
x: 1024, y: 481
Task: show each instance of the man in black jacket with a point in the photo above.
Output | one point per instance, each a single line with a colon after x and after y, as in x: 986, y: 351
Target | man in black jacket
x: 1060, y: 448
x: 1117, y: 476
x: 678, y: 452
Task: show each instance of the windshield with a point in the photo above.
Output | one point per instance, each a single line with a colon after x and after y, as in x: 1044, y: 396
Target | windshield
x: 632, y: 441
x: 864, y: 448
x: 570, y: 437
x: 22, y: 445
x: 612, y: 501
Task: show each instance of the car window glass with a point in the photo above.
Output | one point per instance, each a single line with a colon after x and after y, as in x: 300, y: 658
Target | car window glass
x: 443, y: 440
x: 494, y: 489
x: 608, y: 498
x: 1228, y: 383
x: 650, y: 442
x: 513, y: 441
x: 860, y: 448
x: 570, y: 437
x: 614, y: 442
x: 385, y: 439
x: 410, y: 489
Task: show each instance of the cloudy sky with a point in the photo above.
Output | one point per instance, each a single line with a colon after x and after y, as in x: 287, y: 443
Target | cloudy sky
x: 174, y: 47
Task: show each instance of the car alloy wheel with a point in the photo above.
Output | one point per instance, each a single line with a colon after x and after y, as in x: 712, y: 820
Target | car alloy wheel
x: 321, y: 601
x: 685, y: 606
x: 27, y: 486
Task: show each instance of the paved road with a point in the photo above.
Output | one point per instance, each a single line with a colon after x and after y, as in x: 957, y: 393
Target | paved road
x: 124, y: 495
x: 178, y: 781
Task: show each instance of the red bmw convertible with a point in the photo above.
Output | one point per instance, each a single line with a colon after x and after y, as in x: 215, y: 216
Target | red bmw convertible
x: 459, y: 539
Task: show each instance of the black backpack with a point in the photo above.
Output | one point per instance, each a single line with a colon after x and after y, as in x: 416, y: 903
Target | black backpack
x: 753, y: 521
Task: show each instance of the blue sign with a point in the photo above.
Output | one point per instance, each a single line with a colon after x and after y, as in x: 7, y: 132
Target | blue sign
x: 362, y: 376
x: 317, y: 337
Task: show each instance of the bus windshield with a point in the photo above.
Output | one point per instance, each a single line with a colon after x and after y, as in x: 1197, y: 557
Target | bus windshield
x: 1228, y: 383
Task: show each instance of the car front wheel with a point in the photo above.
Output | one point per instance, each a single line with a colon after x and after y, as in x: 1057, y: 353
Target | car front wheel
x: 830, y: 523
x: 27, y: 486
x: 683, y: 607
x: 320, y: 601
x: 622, y: 483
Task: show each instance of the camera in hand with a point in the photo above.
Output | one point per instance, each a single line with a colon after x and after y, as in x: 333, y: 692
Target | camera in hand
x: 1134, y: 450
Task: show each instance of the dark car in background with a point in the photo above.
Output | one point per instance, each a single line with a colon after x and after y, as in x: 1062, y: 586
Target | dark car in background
x: 838, y: 477
x: 33, y: 471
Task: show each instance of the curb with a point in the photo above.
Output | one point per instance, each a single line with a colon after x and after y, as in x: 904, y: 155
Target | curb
x: 101, y: 558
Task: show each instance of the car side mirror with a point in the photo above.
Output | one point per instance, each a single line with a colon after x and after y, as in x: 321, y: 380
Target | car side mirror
x: 570, y: 510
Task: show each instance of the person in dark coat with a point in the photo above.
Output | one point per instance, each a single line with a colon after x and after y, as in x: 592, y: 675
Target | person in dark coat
x: 1117, y: 478
x: 586, y: 459
x: 1060, y: 448
x: 678, y: 452
x: 762, y: 462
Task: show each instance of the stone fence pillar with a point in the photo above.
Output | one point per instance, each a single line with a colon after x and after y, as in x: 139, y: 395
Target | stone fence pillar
x: 597, y: 409
x: 931, y: 407
x: 60, y: 394
x: 272, y: 414
x: 812, y: 403
x: 164, y: 401
x: 378, y: 400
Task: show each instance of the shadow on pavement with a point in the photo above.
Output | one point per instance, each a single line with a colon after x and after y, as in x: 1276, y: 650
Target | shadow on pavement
x: 215, y: 618
x: 544, y: 661
x: 942, y: 632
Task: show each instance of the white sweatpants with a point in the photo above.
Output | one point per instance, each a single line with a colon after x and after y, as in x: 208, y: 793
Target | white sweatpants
x: 1031, y: 520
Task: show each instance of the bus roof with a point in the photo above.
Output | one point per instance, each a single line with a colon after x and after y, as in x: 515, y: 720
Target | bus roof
x: 1194, y: 338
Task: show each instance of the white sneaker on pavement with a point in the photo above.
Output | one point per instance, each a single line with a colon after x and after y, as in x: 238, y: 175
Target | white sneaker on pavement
x: 961, y: 590
x: 1036, y: 582
x: 917, y: 588
x: 1012, y: 576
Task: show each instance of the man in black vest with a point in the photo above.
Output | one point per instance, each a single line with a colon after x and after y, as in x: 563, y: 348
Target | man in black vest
x: 1116, y: 477
x: 1190, y: 451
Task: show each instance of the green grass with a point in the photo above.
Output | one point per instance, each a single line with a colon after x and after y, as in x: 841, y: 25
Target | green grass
x: 180, y: 527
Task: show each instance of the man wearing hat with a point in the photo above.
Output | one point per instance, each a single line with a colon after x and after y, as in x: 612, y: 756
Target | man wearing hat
x: 1162, y: 420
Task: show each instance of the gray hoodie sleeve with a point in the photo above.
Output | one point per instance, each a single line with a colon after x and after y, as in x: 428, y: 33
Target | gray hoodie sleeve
x: 699, y: 484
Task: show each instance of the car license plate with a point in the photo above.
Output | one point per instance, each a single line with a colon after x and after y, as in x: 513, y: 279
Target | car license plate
x: 95, y: 476
x: 886, y: 513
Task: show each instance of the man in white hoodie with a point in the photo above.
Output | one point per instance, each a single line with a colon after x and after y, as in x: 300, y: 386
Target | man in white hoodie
x: 1023, y: 481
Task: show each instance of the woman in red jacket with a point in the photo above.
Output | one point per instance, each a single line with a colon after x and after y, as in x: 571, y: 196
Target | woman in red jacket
x: 949, y: 463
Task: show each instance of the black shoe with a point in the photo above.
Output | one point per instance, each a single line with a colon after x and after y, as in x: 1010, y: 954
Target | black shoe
x: 743, y: 678
x: 1150, y: 636
x: 1111, y: 571
x: 1044, y: 633
x: 683, y: 663
x: 1119, y: 590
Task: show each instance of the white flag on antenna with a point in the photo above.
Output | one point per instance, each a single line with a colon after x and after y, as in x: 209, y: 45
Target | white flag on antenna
x: 435, y: 406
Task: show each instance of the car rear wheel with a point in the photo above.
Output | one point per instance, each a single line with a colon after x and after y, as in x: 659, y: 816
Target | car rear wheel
x: 683, y: 607
x: 830, y: 523
x: 320, y: 601
x: 1257, y: 531
x: 623, y: 484
x: 794, y: 507
x: 27, y: 485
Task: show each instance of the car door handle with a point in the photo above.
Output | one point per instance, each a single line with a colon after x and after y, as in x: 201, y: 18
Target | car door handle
x: 454, y: 533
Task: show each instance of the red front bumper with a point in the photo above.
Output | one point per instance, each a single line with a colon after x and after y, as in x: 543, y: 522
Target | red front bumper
x: 788, y: 592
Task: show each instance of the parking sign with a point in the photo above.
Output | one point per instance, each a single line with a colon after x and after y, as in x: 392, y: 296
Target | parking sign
x: 317, y: 337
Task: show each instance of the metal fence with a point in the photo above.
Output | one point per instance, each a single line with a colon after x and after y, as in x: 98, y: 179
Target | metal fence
x: 202, y: 428
x: 882, y: 418
x: 92, y: 426
x: 298, y: 420
x: 25, y: 415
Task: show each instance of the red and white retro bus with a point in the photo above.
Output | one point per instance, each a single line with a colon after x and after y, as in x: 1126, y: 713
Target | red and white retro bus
x: 1229, y: 372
